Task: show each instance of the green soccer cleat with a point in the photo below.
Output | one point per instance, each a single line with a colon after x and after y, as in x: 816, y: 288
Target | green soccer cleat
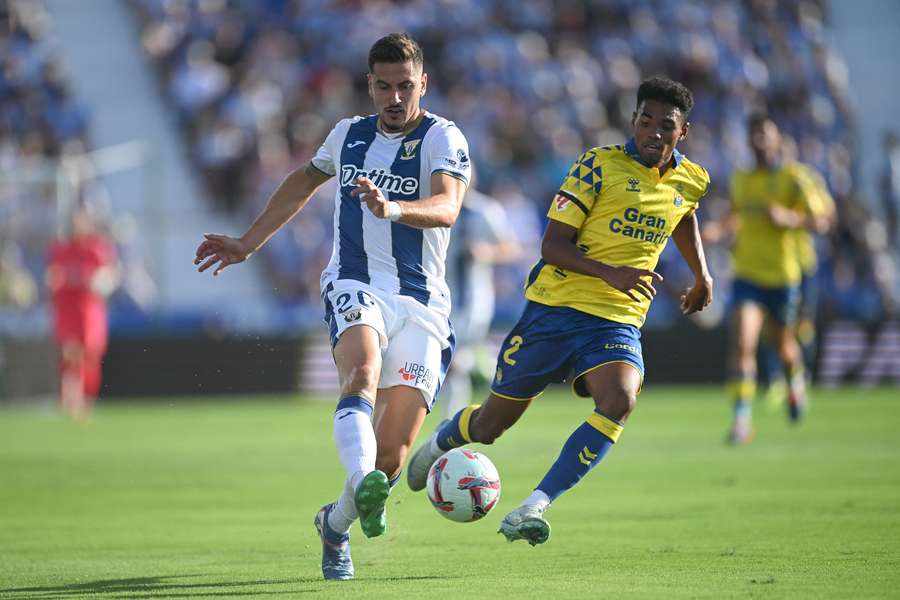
x: 371, y: 494
x: 526, y: 523
x: 775, y: 394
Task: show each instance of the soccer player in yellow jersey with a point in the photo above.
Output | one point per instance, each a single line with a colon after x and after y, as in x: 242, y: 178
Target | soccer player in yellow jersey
x: 775, y: 203
x: 588, y: 296
x: 822, y: 205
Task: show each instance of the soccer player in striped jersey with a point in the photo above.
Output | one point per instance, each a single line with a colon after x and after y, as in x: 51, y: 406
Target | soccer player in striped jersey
x: 774, y: 205
x: 402, y: 175
x: 588, y: 296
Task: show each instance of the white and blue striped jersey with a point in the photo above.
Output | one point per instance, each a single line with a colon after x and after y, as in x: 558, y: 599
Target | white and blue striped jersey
x: 386, y: 255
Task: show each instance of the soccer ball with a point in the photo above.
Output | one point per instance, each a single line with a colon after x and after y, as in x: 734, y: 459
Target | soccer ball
x: 463, y: 485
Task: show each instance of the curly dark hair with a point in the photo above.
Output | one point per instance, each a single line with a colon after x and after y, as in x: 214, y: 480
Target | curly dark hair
x: 668, y: 91
x: 395, y: 48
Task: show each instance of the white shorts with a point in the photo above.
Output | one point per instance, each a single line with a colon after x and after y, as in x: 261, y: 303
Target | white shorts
x: 416, y: 341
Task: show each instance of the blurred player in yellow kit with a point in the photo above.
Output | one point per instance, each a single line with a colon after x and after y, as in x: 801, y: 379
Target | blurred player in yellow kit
x: 821, y: 204
x: 588, y: 297
x: 777, y: 206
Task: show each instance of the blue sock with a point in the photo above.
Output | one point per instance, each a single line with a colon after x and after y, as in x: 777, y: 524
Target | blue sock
x: 455, y: 432
x: 742, y: 410
x: 393, y: 480
x: 582, y: 451
x: 771, y: 364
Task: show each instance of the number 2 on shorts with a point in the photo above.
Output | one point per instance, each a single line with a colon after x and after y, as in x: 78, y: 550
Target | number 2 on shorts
x: 514, y: 343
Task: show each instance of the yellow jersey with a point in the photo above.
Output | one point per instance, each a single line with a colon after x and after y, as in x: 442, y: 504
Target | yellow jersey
x: 624, y: 213
x: 821, y: 204
x: 765, y: 254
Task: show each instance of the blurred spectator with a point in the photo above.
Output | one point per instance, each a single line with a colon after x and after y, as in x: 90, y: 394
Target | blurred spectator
x: 17, y: 287
x: 137, y: 294
x: 81, y: 273
x: 38, y: 114
x: 44, y: 167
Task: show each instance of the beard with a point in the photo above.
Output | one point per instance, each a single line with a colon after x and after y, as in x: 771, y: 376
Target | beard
x: 397, y: 124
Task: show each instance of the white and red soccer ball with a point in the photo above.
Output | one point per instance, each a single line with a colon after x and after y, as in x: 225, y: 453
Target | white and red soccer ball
x: 463, y: 485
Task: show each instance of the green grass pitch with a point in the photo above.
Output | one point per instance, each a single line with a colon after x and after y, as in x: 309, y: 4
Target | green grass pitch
x: 188, y: 499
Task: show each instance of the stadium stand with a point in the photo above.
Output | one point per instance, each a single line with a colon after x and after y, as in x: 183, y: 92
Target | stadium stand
x: 45, y: 144
x: 257, y: 85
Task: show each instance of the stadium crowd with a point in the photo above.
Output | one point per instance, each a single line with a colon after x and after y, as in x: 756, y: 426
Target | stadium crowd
x: 255, y: 86
x: 39, y: 121
x: 532, y: 83
x: 44, y: 138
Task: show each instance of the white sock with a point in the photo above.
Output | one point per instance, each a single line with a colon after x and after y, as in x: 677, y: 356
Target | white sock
x: 537, y: 498
x: 353, y: 481
x: 355, y: 441
x: 341, y: 518
x: 435, y: 450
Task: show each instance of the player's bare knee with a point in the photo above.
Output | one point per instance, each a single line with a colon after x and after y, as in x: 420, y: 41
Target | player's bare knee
x: 361, y: 378
x: 788, y: 349
x: 616, y: 402
x: 746, y: 352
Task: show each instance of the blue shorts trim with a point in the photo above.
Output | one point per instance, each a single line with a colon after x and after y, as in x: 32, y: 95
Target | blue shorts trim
x: 446, y: 358
x: 780, y: 303
x: 552, y: 344
x: 329, y: 315
x: 578, y: 385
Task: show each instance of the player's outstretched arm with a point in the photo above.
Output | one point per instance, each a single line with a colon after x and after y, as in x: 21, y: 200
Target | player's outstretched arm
x: 816, y: 222
x: 687, y: 238
x: 558, y: 248
x: 291, y: 195
x: 817, y: 212
x: 438, y: 210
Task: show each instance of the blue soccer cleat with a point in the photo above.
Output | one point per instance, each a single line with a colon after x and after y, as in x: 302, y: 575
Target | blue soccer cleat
x: 797, y: 404
x: 371, y: 494
x: 336, y: 561
x: 526, y: 523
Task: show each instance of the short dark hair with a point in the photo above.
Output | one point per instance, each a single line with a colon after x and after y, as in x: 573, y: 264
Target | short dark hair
x: 668, y: 91
x: 757, y: 118
x: 395, y: 48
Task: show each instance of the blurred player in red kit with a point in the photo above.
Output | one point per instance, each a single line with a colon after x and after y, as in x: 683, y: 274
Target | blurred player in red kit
x: 81, y: 273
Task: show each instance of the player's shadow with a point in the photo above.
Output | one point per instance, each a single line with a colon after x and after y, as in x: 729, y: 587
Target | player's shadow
x: 163, y: 586
x: 404, y: 578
